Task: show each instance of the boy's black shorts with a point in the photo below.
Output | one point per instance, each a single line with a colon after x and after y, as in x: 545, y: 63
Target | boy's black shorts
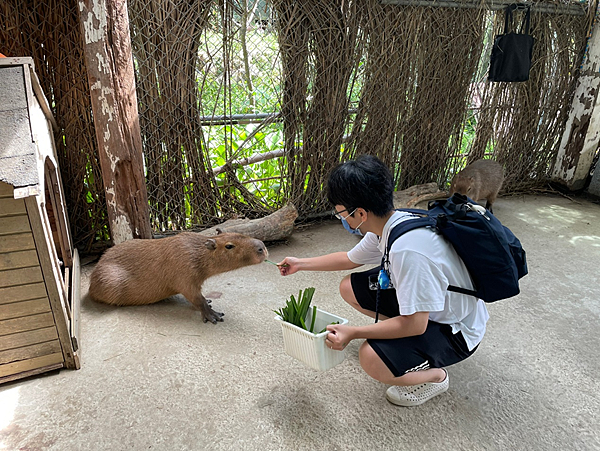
x: 436, y: 348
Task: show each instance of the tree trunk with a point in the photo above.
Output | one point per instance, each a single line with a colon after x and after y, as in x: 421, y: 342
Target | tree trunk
x: 105, y: 26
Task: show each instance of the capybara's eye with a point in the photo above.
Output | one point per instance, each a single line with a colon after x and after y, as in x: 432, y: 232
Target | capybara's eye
x: 229, y: 246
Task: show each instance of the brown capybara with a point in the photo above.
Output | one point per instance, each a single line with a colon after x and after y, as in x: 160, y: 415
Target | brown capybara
x: 138, y: 272
x: 482, y: 179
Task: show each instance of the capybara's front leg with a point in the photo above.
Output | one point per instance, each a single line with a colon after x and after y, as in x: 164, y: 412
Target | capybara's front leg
x: 208, y: 314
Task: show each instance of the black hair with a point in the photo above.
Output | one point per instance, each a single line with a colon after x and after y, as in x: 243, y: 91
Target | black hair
x: 362, y: 183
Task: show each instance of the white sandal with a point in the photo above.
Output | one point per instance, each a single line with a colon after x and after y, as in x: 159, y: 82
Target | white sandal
x: 414, y: 395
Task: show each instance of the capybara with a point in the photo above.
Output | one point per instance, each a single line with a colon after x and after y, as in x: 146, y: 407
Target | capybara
x: 482, y: 179
x: 138, y: 272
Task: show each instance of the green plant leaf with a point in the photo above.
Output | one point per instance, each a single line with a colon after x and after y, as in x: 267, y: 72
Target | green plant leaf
x: 314, y: 317
x: 295, y: 311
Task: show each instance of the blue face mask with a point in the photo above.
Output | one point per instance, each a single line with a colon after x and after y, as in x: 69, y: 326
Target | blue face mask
x: 350, y: 229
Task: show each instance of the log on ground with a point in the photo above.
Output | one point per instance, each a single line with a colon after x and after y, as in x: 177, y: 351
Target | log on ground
x: 274, y: 227
x: 411, y: 197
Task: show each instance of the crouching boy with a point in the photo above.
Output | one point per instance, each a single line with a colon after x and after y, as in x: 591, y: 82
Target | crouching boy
x: 424, y: 327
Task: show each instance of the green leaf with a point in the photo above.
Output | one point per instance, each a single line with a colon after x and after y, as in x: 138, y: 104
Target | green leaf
x: 314, y: 317
x: 302, y: 324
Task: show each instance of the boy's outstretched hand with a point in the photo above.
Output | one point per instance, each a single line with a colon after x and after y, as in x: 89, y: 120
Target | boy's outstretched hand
x: 289, y: 265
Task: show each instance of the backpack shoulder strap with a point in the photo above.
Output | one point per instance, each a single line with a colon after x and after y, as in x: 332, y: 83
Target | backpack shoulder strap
x: 462, y: 290
x: 407, y: 226
x: 396, y: 232
x: 415, y: 211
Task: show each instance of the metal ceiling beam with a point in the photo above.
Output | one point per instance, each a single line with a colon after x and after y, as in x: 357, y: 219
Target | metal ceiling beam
x: 577, y: 9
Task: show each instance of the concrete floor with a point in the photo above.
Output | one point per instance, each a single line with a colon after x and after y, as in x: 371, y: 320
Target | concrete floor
x: 156, y: 377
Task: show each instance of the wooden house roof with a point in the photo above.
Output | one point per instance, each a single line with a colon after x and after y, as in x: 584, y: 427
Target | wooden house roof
x: 17, y: 150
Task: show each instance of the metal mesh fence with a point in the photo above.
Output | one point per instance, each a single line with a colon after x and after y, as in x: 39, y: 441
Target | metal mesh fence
x: 248, y: 104
x: 313, y: 83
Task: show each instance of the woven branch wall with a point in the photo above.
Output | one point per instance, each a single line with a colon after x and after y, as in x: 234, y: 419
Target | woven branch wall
x: 49, y: 32
x: 247, y: 104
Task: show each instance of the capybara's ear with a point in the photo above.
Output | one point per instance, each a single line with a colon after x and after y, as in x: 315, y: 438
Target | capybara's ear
x: 219, y: 231
x: 211, y: 244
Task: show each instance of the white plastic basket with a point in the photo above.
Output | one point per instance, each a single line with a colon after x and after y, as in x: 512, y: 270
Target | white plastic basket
x: 310, y: 348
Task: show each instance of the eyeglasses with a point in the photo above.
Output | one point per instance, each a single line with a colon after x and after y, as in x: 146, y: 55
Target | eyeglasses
x: 338, y: 215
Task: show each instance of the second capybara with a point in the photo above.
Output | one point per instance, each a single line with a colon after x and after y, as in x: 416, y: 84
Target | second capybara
x: 145, y: 271
x: 482, y: 179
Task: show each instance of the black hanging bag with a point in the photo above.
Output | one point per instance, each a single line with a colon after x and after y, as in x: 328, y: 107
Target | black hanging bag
x: 511, y: 53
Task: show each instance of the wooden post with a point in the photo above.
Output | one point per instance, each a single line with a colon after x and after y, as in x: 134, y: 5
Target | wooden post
x: 581, y: 138
x: 114, y: 104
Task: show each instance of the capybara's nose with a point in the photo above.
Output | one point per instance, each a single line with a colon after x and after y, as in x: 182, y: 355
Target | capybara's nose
x: 262, y: 250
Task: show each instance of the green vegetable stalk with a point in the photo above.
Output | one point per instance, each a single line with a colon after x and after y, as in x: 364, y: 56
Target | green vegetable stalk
x: 295, y: 312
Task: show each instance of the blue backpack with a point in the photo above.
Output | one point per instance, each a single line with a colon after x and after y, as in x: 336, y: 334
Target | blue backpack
x: 492, y: 254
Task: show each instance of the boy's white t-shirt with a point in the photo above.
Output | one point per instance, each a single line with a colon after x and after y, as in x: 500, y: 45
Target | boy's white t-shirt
x: 422, y: 265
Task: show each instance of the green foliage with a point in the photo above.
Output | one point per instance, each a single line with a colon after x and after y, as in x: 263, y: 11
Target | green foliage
x: 234, y: 142
x: 97, y: 216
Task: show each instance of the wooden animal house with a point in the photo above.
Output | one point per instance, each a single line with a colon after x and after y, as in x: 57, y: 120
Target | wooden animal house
x: 39, y: 268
